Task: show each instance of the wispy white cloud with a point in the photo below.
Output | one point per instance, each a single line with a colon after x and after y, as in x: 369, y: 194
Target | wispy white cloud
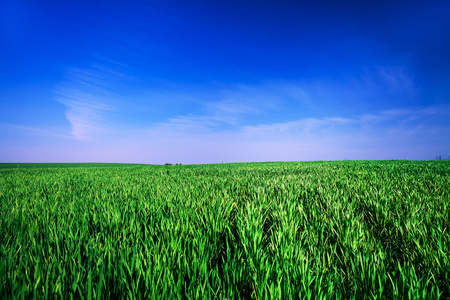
x: 87, y: 94
x: 307, y: 125
x: 84, y: 111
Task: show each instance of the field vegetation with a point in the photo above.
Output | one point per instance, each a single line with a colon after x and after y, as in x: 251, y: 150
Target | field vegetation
x: 285, y: 230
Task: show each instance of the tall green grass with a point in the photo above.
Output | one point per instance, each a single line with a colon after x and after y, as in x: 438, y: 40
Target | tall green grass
x: 307, y: 230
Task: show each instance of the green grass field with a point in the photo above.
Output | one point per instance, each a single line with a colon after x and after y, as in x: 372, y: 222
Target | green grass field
x: 61, y: 165
x: 285, y: 230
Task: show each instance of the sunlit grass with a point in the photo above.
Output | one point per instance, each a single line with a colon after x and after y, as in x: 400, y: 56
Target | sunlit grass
x: 308, y: 230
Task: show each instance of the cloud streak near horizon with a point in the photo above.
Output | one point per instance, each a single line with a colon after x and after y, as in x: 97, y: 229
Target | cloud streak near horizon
x: 392, y: 134
x: 396, y: 118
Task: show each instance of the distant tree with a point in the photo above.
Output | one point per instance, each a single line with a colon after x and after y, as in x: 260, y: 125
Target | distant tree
x: 167, y: 164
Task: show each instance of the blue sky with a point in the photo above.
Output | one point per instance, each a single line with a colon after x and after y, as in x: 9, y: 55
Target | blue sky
x: 223, y: 81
